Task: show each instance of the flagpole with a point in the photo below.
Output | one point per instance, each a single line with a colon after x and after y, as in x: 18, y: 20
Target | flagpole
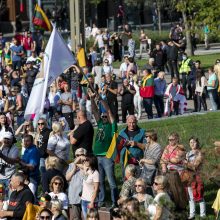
x: 31, y: 26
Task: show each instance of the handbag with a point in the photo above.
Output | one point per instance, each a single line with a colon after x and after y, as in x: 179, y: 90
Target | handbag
x: 148, y: 174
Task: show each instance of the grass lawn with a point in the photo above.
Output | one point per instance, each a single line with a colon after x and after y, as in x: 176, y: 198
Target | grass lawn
x: 206, y: 128
x: 206, y: 60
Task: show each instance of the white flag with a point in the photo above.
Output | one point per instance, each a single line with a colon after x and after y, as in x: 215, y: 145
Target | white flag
x: 57, y: 58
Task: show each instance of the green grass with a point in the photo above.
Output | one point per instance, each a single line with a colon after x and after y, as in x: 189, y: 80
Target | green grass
x: 206, y: 60
x: 206, y: 128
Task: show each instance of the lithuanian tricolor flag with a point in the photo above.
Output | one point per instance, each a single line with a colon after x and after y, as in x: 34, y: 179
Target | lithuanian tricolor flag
x: 40, y: 19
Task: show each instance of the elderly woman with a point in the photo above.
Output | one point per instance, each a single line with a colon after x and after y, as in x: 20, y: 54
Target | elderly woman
x: 128, y: 187
x: 52, y: 169
x: 74, y: 176
x: 57, y: 188
x: 194, y: 160
x: 57, y: 210
x: 152, y: 154
x: 141, y: 195
x: 162, y: 204
x: 58, y: 144
x: 174, y: 155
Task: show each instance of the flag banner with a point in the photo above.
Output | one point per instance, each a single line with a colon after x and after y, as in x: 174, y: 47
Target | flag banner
x: 57, y: 58
x: 40, y: 19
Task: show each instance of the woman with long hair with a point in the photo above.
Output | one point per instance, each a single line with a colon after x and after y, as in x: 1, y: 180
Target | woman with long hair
x: 90, y: 185
x: 58, y: 144
x: 194, y: 159
x: 200, y: 90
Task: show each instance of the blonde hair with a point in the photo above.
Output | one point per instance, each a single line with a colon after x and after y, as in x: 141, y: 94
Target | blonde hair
x: 56, y: 129
x: 162, y: 180
x: 52, y: 163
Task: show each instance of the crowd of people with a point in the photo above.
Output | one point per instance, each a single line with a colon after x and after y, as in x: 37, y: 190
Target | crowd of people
x: 41, y: 180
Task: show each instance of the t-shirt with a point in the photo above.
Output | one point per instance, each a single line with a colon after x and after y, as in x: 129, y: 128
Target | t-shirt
x: 111, y: 96
x: 17, y: 202
x: 62, y: 197
x: 103, y: 137
x: 100, y: 41
x: 213, y: 77
x: 84, y: 136
x: 66, y: 96
x: 32, y: 156
x: 75, y: 185
x: 88, y: 184
x: 8, y: 169
x: 59, y: 145
x: 17, y: 49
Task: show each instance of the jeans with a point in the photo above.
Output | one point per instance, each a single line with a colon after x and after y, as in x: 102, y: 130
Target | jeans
x: 173, y: 70
x: 192, y: 207
x: 213, y: 95
x: 147, y: 103
x: 137, y: 105
x: 143, y: 47
x: 106, y: 168
x: 16, y: 65
x: 159, y: 104
x: 201, y: 100
x: 84, y: 205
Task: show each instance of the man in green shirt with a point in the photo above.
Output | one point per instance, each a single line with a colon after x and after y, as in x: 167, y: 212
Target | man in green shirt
x: 107, y: 126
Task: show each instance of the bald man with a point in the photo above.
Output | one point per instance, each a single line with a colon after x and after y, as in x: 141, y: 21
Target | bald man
x: 82, y: 136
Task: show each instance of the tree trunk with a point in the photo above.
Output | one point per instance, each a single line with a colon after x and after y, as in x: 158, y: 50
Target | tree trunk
x: 189, y: 49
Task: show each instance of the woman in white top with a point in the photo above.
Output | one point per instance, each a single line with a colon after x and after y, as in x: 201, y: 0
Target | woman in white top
x: 58, y: 144
x: 137, y: 98
x: 162, y: 204
x: 90, y: 185
x: 56, y: 188
x: 200, y: 90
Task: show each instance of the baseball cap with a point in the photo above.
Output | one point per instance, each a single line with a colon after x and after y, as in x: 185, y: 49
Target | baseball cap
x: 8, y: 135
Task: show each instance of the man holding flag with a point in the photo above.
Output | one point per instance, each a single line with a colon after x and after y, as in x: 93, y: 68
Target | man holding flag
x: 105, y: 137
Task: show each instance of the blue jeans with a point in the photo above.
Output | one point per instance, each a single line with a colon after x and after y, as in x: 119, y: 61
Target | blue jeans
x: 213, y: 95
x: 84, y: 205
x: 106, y: 168
x: 147, y: 103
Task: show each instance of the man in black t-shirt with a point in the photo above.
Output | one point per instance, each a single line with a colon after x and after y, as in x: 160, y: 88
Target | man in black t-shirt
x: 82, y: 136
x: 18, y: 199
x: 111, y: 88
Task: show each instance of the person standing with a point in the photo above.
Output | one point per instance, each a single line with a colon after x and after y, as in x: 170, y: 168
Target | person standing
x: 172, y: 57
x: 66, y: 103
x: 82, y: 136
x: 143, y: 42
x: 107, y: 126
x: 147, y: 91
x: 111, y: 88
x: 17, y: 52
x: 127, y: 92
x: 160, y: 88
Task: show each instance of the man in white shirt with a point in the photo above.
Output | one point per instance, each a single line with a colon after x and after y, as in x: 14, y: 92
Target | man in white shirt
x: 99, y: 40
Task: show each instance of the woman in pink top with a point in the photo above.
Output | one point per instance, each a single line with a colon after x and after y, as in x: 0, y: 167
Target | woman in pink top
x: 173, y: 155
x: 90, y: 185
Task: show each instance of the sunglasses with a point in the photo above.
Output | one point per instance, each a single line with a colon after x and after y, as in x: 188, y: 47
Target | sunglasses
x: 40, y: 123
x: 45, y: 217
x: 57, y: 183
x: 104, y: 116
x: 146, y: 136
x: 156, y: 184
x: 139, y: 185
x: 170, y: 139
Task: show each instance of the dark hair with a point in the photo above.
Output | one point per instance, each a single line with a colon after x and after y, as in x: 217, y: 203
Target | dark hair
x: 93, y: 162
x: 29, y: 137
x: 199, y: 75
x: 196, y: 140
x: 6, y: 123
x: 198, y: 61
x: 46, y: 210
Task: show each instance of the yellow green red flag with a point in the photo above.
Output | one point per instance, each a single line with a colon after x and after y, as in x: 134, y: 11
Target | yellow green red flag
x: 40, y: 19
